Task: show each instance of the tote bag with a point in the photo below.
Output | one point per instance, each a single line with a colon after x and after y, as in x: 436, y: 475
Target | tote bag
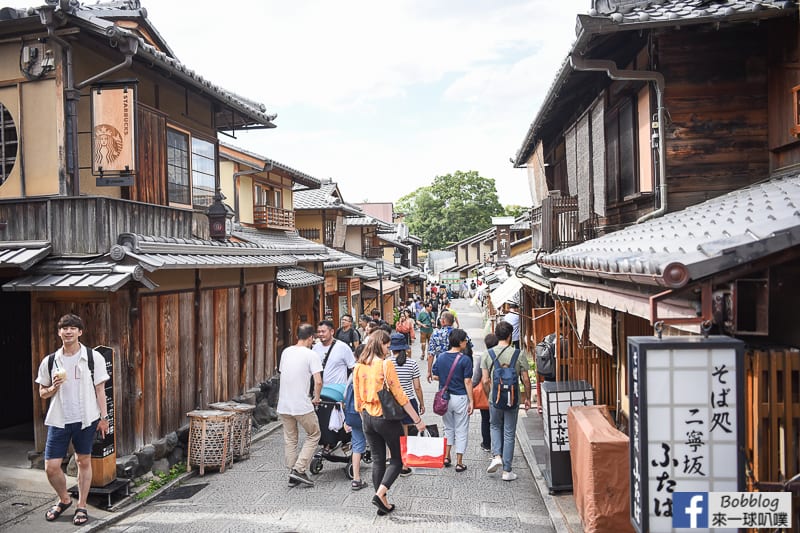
x: 423, y: 451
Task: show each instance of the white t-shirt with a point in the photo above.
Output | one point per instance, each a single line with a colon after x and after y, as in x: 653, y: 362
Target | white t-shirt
x: 298, y: 364
x: 340, y: 360
x: 513, y: 319
x: 87, y: 398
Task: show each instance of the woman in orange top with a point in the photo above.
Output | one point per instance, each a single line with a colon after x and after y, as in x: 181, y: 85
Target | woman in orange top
x: 368, y: 378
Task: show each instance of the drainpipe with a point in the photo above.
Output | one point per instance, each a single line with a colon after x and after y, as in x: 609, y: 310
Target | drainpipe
x: 236, y: 176
x: 610, y: 68
x: 127, y: 44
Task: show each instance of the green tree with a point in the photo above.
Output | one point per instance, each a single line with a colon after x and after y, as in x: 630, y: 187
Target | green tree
x: 452, y: 208
x: 514, y: 210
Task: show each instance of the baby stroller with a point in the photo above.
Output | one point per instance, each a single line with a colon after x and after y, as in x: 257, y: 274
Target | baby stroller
x: 334, y: 445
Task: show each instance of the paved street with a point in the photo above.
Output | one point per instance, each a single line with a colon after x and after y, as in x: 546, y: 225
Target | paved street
x: 253, y: 495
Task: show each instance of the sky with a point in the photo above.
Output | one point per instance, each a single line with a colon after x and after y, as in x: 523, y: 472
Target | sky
x: 381, y: 96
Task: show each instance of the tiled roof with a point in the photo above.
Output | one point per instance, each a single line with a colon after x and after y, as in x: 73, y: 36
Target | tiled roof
x: 299, y: 177
x: 701, y: 240
x: 99, y: 274
x: 284, y: 242
x: 155, y: 253
x: 322, y: 198
x: 99, y: 20
x: 294, y: 278
x: 642, y: 11
x: 23, y: 254
x: 340, y: 260
x: 391, y: 238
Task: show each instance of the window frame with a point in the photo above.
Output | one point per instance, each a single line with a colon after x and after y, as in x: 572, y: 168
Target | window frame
x: 191, y: 136
x: 616, y: 182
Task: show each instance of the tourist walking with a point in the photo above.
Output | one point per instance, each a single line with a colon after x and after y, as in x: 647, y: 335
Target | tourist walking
x: 406, y: 326
x: 425, y: 323
x: 454, y: 370
x: 369, y: 378
x: 336, y: 357
x: 295, y: 408
x: 408, y: 374
x: 347, y: 333
x: 353, y: 424
x: 503, y: 410
x: 490, y: 341
x: 512, y: 317
x: 74, y: 378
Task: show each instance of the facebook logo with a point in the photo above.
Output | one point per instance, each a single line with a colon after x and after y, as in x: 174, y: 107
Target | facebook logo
x: 690, y: 510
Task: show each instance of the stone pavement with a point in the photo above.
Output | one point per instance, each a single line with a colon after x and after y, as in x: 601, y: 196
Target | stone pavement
x: 253, y: 495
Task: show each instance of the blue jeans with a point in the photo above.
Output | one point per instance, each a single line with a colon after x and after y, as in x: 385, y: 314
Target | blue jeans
x: 503, y: 424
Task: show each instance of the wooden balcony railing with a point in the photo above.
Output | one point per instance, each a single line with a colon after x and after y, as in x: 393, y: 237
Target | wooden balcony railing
x: 311, y: 234
x: 266, y: 216
x: 90, y: 225
x: 554, y: 224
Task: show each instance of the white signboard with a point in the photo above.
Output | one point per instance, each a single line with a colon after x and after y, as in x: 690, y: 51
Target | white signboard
x: 686, y: 422
x: 557, y: 398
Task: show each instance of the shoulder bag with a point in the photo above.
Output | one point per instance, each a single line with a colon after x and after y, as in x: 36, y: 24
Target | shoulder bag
x: 442, y: 397
x: 391, y: 409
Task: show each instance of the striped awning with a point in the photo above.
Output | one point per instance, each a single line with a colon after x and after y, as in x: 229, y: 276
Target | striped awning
x: 295, y: 278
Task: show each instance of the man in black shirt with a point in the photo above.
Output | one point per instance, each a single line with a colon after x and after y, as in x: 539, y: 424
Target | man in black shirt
x: 347, y: 333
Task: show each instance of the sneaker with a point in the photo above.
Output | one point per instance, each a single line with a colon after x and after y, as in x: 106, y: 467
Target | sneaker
x: 496, y: 463
x: 293, y: 483
x: 300, y: 477
x: 509, y: 476
x: 486, y: 448
x: 406, y: 472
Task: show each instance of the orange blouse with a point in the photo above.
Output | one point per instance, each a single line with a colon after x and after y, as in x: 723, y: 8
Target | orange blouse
x: 368, y: 380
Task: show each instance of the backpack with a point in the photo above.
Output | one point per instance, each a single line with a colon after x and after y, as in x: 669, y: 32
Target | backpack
x: 505, y: 382
x: 546, y: 357
x: 351, y: 416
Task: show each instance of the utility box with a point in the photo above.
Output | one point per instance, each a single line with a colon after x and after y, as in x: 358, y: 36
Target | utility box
x: 557, y: 398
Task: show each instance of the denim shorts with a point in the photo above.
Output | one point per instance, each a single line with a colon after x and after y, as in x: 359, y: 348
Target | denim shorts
x: 407, y: 421
x: 58, y: 440
x: 358, y: 440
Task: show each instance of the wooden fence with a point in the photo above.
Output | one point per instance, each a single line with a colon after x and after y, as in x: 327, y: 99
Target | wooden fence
x: 772, y: 419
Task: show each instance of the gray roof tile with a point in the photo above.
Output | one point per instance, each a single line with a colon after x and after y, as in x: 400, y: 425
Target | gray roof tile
x: 699, y: 241
x: 294, y: 278
x: 650, y: 11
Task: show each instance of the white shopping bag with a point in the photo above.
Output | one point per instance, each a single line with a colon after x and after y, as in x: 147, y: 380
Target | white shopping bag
x: 423, y: 451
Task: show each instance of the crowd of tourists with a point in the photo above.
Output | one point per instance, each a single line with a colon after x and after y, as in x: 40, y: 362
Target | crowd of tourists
x: 374, y: 356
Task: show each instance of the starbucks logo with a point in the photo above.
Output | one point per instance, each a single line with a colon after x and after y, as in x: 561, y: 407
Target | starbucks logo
x: 107, y: 144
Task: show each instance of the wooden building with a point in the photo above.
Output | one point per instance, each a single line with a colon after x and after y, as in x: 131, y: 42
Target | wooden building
x: 664, y: 162
x: 110, y: 163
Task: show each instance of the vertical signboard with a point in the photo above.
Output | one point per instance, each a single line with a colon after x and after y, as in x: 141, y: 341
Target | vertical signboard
x: 104, y: 457
x: 686, y: 422
x: 503, y: 232
x: 114, y: 134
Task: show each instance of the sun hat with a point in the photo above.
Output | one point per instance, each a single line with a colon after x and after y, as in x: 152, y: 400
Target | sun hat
x: 398, y: 343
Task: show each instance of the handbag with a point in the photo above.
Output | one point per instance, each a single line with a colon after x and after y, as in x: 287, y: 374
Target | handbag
x: 423, y: 451
x: 442, y: 397
x: 391, y: 409
x: 479, y: 398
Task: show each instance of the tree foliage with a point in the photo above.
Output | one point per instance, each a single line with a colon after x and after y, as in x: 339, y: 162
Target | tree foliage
x: 514, y: 210
x: 452, y: 208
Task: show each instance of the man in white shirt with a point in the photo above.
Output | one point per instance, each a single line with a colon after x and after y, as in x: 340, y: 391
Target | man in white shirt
x: 77, y: 411
x: 298, y: 364
x: 336, y: 357
x: 512, y: 317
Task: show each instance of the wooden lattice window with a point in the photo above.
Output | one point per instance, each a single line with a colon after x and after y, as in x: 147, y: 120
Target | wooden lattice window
x: 8, y: 143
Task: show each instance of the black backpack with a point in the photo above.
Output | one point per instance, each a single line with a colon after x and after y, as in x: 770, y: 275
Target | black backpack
x: 546, y: 357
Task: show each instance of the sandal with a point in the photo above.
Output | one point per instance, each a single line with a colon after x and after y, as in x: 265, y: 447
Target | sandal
x: 55, y: 511
x: 357, y: 485
x: 80, y: 517
x: 447, y: 462
x: 461, y: 468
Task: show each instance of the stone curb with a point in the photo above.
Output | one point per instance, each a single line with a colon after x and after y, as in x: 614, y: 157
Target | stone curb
x: 557, y: 517
x: 98, y: 525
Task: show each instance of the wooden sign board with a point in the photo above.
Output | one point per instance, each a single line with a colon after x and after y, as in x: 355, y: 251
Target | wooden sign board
x: 113, y: 130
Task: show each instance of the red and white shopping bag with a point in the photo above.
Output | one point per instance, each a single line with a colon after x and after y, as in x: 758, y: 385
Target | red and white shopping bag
x: 423, y: 451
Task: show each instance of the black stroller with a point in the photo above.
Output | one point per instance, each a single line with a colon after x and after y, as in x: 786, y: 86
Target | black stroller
x: 334, y: 445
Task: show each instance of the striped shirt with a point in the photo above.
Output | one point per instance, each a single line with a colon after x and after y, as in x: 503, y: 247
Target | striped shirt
x: 406, y: 375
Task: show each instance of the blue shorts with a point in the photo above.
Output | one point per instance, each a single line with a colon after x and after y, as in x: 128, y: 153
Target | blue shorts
x: 358, y: 440
x: 58, y: 440
x: 407, y: 420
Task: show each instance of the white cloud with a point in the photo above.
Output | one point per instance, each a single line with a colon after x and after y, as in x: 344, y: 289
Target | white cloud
x: 333, y: 70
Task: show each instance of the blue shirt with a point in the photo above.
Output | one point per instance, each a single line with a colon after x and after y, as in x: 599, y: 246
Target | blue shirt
x: 441, y: 368
x: 440, y: 341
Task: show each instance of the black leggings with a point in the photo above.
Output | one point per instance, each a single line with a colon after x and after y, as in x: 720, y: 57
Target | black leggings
x: 381, y: 434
